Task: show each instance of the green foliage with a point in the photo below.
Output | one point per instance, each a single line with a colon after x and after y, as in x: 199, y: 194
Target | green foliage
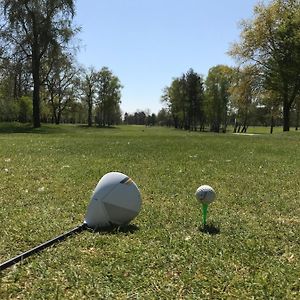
x: 271, y: 41
x: 62, y: 83
x: 253, y: 251
x: 108, y: 98
x: 30, y: 29
x: 218, y: 83
x: 185, y: 99
x: 25, y: 109
x: 164, y: 118
x: 101, y: 91
x: 8, y: 110
x: 88, y: 86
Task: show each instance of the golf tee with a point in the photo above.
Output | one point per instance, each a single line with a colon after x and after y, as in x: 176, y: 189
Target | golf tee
x: 204, y: 212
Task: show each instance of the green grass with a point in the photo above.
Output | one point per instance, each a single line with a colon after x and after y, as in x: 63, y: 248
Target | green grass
x: 47, y: 176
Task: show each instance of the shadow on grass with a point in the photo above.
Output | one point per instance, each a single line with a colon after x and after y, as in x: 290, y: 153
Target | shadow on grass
x: 116, y: 229
x: 209, y: 229
x: 15, y: 127
x: 96, y: 127
x: 9, y: 128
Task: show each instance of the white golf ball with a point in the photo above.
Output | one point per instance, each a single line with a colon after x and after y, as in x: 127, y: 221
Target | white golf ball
x: 205, y: 194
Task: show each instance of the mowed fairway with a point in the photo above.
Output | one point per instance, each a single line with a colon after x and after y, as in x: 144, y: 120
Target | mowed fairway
x: 47, y: 177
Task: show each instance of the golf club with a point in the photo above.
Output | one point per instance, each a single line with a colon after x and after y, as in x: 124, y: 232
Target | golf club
x: 116, y: 200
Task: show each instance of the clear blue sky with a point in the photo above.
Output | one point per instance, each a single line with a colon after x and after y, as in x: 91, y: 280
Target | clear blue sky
x: 146, y: 43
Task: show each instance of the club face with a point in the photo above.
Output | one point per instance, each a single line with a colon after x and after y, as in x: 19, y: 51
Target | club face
x: 116, y: 200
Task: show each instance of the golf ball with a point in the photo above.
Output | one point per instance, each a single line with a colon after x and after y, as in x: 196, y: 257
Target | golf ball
x: 205, y: 194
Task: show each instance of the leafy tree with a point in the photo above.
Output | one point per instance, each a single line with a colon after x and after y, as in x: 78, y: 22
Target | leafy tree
x: 25, y: 108
x: 61, y: 82
x: 195, y: 99
x: 151, y: 119
x: 30, y: 27
x: 185, y: 100
x: 174, y: 97
x: 11, y: 91
x: 164, y: 118
x: 108, y: 97
x: 271, y: 41
x: 271, y: 101
x: 217, y: 84
x: 140, y: 118
x: 243, y: 96
x: 89, y: 87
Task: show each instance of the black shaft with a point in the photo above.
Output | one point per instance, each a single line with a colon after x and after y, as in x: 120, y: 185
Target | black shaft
x: 41, y: 247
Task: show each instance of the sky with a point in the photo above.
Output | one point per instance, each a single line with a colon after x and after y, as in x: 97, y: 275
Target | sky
x: 148, y: 43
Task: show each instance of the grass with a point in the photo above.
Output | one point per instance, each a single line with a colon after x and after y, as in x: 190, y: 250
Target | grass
x: 252, y: 250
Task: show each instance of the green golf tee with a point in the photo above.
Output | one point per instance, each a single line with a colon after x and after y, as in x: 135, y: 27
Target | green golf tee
x: 204, y: 212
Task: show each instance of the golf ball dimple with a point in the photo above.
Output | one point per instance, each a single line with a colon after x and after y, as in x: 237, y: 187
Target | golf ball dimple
x: 205, y: 194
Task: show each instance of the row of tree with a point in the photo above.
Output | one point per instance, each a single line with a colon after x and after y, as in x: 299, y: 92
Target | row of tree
x: 68, y: 95
x: 269, y: 51
x: 40, y: 81
x: 267, y: 79
x: 37, y: 61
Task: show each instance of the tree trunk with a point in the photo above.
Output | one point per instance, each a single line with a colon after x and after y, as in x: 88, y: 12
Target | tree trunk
x: 36, y: 99
x: 58, y: 117
x: 36, y: 87
x: 286, y: 115
x: 245, y: 125
x: 236, y: 124
x: 90, y: 107
x: 272, y: 124
x: 297, y: 114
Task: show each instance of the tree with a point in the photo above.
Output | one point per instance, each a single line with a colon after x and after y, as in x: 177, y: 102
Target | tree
x: 88, y: 86
x: 195, y: 99
x: 108, y: 97
x: 297, y: 121
x: 185, y: 100
x: 31, y: 27
x: 217, y: 84
x: 270, y: 100
x: 174, y: 97
x: 14, y: 90
x: 164, y: 118
x: 61, y: 82
x: 243, y: 95
x: 25, y: 106
x: 271, y: 41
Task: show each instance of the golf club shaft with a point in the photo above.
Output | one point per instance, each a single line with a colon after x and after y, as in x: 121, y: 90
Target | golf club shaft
x: 41, y: 247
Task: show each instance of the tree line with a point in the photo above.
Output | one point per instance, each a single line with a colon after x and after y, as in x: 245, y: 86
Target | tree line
x: 39, y: 77
x: 263, y: 89
x: 40, y: 80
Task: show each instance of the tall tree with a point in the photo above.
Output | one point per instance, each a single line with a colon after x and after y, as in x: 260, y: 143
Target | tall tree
x: 62, y: 83
x: 174, y: 96
x: 89, y: 86
x: 218, y: 83
x: 184, y: 99
x: 243, y: 95
x: 195, y: 99
x: 14, y: 85
x: 271, y: 40
x: 164, y: 118
x: 32, y: 26
x: 109, y: 97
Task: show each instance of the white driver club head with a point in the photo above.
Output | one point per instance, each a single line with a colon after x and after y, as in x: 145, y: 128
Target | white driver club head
x: 116, y: 200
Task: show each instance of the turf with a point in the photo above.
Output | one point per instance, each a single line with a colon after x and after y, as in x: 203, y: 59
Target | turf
x: 249, y: 250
